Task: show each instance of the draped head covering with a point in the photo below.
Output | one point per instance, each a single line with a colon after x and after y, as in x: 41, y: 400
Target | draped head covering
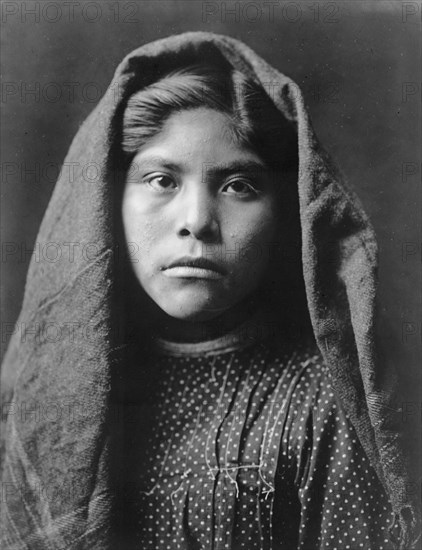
x: 58, y: 372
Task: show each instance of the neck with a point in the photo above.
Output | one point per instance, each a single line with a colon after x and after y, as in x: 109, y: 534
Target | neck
x: 176, y: 330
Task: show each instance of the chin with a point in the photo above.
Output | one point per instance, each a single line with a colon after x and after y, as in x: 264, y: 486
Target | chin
x: 192, y: 313
x: 192, y: 308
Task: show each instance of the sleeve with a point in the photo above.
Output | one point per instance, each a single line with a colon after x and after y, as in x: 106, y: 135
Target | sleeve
x: 339, y: 501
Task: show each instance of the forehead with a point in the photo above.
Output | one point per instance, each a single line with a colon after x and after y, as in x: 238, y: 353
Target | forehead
x: 197, y: 136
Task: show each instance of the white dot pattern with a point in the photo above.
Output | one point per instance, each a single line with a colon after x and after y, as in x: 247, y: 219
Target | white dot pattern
x: 249, y: 450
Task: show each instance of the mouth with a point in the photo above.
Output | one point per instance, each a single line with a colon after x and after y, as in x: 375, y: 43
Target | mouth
x: 194, y: 268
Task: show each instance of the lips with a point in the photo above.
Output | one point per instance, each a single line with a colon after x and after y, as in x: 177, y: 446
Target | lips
x: 189, y: 267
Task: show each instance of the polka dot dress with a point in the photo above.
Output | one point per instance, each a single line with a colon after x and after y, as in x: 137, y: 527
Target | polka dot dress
x: 248, y: 449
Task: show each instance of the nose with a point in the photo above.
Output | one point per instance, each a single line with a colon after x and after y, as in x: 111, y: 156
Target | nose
x: 197, y: 214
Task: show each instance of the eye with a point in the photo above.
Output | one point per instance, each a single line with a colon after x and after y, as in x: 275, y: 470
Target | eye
x: 240, y: 187
x: 160, y: 182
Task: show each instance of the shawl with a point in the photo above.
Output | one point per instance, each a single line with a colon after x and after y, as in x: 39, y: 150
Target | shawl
x: 58, y: 371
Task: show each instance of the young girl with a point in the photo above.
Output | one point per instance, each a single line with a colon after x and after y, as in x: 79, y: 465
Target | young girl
x: 219, y: 388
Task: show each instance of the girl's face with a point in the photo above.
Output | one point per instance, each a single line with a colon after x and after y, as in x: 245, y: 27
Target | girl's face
x: 199, y: 216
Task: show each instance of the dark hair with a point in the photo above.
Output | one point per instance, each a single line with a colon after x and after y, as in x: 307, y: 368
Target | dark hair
x: 256, y: 121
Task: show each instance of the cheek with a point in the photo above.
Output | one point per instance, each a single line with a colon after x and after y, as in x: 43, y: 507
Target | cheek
x: 142, y: 230
x: 254, y: 230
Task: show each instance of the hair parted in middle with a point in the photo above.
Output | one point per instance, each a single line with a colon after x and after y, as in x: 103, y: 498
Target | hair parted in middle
x: 255, y: 121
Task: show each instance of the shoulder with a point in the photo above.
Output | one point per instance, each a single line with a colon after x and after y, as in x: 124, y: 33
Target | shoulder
x: 309, y: 392
x: 304, y: 364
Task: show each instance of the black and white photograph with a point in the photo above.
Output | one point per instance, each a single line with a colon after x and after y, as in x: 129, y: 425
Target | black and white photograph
x: 211, y: 275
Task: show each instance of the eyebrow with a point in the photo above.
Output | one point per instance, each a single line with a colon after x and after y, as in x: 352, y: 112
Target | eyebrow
x: 153, y: 160
x: 211, y: 169
x: 224, y: 170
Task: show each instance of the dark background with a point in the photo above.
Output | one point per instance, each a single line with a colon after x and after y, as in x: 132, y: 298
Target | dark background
x: 358, y: 64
